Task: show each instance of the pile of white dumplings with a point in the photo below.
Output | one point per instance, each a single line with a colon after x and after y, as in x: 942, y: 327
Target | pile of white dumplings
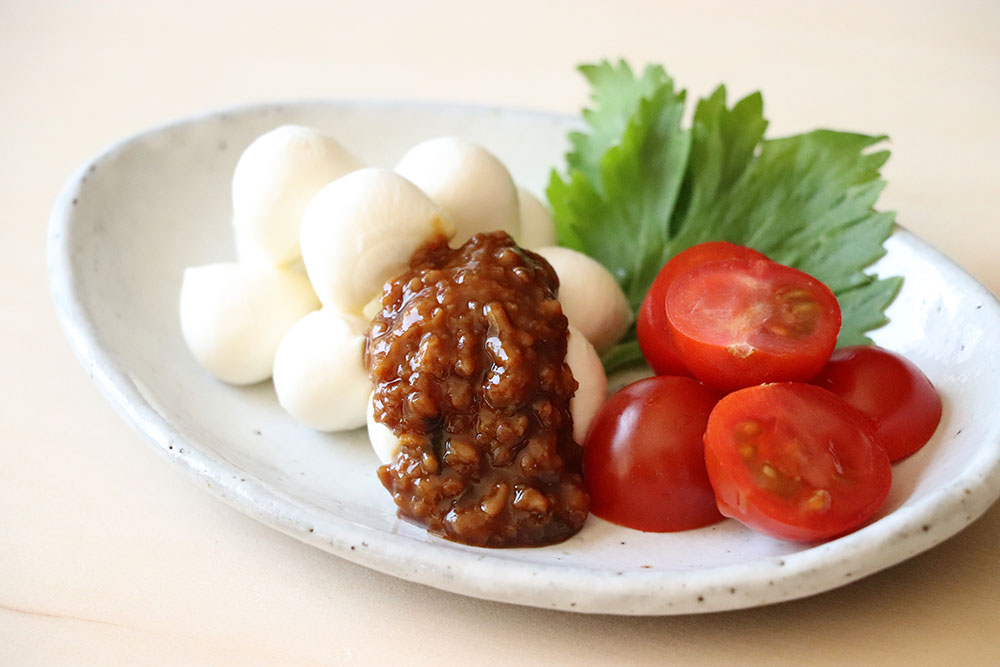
x: 317, y: 236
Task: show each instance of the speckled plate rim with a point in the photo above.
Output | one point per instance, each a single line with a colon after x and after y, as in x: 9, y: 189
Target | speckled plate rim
x: 486, y: 574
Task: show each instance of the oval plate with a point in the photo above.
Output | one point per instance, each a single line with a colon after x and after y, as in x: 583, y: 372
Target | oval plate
x: 128, y: 223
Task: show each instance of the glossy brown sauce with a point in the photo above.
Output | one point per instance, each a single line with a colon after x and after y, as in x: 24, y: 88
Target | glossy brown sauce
x: 467, y: 357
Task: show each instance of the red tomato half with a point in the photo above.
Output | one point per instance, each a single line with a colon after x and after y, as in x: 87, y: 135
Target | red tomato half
x: 644, y: 459
x: 742, y: 322
x: 890, y: 390
x: 795, y: 461
x: 651, y: 325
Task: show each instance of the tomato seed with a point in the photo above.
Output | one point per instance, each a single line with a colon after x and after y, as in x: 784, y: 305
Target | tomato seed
x: 819, y: 501
x: 796, y: 294
x: 804, y: 309
x: 777, y: 328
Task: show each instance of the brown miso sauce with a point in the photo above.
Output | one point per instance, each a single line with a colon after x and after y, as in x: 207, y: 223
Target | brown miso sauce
x: 467, y: 357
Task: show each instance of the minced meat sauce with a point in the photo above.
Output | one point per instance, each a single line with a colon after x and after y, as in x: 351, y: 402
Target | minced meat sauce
x: 467, y: 357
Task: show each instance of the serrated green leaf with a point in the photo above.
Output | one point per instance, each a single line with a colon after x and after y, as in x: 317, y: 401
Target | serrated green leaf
x: 623, y: 219
x: 865, y: 307
x: 616, y: 95
x: 639, y: 188
x: 722, y: 146
x: 806, y: 201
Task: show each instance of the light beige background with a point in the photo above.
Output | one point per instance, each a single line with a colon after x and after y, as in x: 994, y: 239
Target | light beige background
x: 108, y: 556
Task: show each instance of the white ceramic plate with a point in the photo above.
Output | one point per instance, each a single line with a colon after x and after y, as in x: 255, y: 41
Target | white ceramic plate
x: 128, y: 223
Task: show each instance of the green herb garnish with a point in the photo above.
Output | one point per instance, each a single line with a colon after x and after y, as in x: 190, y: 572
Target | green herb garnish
x: 639, y: 188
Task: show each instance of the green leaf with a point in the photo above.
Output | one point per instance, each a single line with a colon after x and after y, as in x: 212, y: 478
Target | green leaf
x: 622, y: 218
x: 864, y: 307
x: 723, y: 144
x: 616, y: 96
x: 622, y: 355
x: 638, y: 188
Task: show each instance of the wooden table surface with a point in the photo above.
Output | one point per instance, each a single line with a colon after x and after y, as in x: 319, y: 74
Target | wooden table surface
x: 109, y: 556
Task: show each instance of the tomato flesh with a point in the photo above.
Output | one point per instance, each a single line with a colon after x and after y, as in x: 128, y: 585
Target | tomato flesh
x: 795, y: 461
x: 644, y: 463
x: 890, y: 390
x: 743, y: 322
x: 651, y: 325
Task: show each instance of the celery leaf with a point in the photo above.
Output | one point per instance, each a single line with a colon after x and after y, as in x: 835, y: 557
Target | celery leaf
x: 639, y: 188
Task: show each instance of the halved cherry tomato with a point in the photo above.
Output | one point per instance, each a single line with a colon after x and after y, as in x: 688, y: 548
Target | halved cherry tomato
x: 890, y: 390
x: 651, y: 325
x: 644, y: 460
x: 795, y: 461
x: 742, y: 322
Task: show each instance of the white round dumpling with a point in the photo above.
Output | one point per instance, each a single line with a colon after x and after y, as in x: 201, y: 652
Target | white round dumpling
x: 590, y: 296
x: 384, y: 441
x: 537, y: 227
x: 275, y: 178
x: 468, y: 182
x: 588, y: 371
x: 361, y: 230
x: 233, y: 316
x: 319, y: 372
